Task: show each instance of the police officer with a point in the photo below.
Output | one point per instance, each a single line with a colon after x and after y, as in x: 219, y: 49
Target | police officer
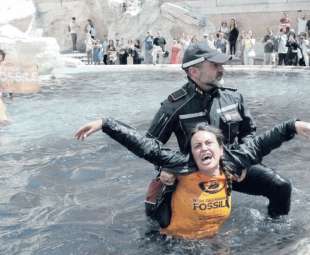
x: 203, y: 99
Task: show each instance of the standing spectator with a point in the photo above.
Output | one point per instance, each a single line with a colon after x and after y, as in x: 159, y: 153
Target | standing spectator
x: 159, y: 41
x: 111, y: 53
x: 268, y: 47
x: 285, y: 22
x: 104, y: 49
x: 176, y: 50
x: 117, y: 48
x: 292, y: 50
x: 282, y: 48
x: 301, y: 23
x: 89, y: 48
x: 90, y: 28
x: 224, y: 29
x: 220, y: 42
x: 304, y: 46
x: 209, y: 40
x: 268, y: 50
x: 308, y: 28
x: 233, y: 36
x: 73, y: 28
x: 122, y: 52
x: 249, y: 50
x: 156, y: 54
x: 130, y: 47
x: 185, y: 41
x: 136, y: 52
x: 97, y: 52
x: 93, y: 32
x: 241, y: 46
x: 148, y: 48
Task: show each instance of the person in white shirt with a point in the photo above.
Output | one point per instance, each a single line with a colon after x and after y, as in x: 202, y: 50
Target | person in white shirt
x: 73, y: 30
x: 301, y: 24
x: 249, y: 48
x: 304, y: 46
x: 89, y: 45
x: 282, y: 49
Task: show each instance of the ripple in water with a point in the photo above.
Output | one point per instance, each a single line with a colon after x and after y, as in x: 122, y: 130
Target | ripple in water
x: 60, y: 196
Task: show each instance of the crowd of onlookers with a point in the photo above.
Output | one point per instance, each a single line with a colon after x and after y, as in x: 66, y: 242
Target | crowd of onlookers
x: 285, y: 47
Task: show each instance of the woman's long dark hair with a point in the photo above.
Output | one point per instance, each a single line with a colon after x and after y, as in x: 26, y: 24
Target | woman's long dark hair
x: 203, y: 126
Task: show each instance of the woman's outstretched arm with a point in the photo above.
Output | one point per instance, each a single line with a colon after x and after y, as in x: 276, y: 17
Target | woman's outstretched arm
x: 238, y: 158
x: 254, y: 149
x: 150, y: 149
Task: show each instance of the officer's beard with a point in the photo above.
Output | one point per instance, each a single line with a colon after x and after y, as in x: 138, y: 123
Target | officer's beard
x: 218, y: 82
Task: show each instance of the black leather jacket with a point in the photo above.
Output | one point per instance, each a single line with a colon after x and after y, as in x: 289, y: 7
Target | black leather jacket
x: 223, y: 108
x: 241, y: 156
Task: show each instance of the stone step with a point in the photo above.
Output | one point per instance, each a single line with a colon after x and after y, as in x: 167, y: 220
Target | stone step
x: 75, y: 54
x: 78, y: 55
x: 83, y: 57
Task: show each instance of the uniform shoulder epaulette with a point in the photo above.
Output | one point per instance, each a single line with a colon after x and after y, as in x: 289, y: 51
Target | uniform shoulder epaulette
x: 177, y: 95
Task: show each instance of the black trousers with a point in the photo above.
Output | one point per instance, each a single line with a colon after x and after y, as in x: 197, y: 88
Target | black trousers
x: 260, y: 181
x: 232, y: 47
x: 281, y: 59
x: 74, y: 40
x: 263, y: 181
x: 291, y: 59
x: 105, y: 58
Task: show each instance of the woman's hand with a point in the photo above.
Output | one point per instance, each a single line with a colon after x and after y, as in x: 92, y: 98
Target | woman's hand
x: 88, y: 129
x: 303, y: 128
x: 167, y: 178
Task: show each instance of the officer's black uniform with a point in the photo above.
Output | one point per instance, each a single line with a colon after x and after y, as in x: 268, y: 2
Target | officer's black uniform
x: 223, y: 108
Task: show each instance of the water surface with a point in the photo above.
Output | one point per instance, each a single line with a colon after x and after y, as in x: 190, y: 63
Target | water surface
x: 61, y: 196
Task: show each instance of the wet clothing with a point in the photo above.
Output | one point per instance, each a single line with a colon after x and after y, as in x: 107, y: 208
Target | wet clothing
x: 250, y: 152
x: 224, y: 109
x: 188, y: 106
x: 237, y: 158
x: 200, y: 205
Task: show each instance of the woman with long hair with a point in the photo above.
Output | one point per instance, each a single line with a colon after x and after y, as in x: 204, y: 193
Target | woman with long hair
x: 233, y: 36
x: 201, y: 202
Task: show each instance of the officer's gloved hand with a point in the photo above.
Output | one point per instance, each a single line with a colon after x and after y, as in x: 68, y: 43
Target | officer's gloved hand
x: 167, y: 178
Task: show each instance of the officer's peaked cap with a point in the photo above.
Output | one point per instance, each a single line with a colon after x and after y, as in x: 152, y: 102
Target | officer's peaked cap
x: 199, y: 52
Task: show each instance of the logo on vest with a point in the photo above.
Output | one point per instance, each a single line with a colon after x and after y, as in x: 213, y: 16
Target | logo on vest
x: 205, y: 205
x: 211, y: 187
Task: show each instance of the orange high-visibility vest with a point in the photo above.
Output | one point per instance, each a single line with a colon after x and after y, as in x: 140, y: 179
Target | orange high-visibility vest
x: 200, y: 205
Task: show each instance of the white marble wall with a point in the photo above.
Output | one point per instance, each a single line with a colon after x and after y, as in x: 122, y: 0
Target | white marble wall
x: 53, y: 16
x: 244, y: 6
